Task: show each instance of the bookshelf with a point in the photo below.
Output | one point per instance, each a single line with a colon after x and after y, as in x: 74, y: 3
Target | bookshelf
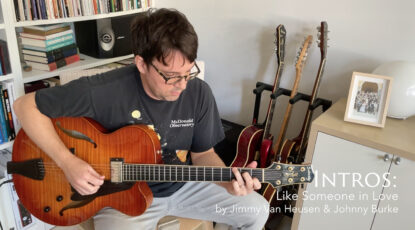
x: 8, y: 31
x: 77, y: 19
x: 6, y: 145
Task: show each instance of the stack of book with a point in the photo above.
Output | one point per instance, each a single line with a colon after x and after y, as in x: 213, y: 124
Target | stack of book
x: 8, y: 123
x: 48, y: 47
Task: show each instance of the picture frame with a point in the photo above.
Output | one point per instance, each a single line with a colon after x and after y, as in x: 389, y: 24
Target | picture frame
x: 368, y: 99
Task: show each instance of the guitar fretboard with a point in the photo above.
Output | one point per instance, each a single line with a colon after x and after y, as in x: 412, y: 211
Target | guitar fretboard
x: 183, y: 173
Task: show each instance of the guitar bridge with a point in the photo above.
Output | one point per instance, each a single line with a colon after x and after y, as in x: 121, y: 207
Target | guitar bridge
x: 116, y: 170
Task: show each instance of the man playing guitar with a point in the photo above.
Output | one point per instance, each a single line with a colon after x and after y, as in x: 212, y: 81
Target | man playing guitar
x: 161, y: 91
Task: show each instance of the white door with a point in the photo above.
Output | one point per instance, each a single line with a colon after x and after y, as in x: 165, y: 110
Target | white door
x: 396, y: 210
x: 348, y: 176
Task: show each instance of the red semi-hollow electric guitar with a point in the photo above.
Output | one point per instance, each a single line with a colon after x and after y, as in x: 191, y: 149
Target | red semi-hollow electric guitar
x: 127, y: 157
x: 255, y: 142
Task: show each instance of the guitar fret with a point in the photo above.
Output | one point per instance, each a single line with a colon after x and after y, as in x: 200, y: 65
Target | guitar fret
x: 221, y: 174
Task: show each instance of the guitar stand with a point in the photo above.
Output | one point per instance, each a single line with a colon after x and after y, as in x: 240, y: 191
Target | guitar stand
x: 260, y: 87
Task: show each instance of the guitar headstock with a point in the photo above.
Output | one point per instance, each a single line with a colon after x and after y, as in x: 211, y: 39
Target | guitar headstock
x: 279, y: 174
x: 280, y: 35
x: 322, y: 38
x: 302, y: 54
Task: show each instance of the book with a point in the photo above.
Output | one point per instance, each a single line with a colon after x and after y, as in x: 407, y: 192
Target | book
x: 33, y: 9
x: 48, y: 37
x: 54, y: 65
x: 4, y: 56
x: 49, y: 48
x: 9, y: 114
x: 54, y: 52
x: 1, y: 69
x: 10, y: 89
x: 44, y: 31
x: 49, y: 42
x: 3, y: 129
x: 50, y: 58
x: 6, y: 117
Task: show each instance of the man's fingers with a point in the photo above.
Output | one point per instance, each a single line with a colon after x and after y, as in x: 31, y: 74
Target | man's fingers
x: 236, y: 186
x: 257, y: 184
x: 248, y: 180
x: 253, y: 165
x: 238, y: 176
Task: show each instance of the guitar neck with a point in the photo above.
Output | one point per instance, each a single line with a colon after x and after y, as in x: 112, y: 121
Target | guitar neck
x: 186, y: 173
x: 309, y: 114
x: 287, y: 116
x: 271, y: 106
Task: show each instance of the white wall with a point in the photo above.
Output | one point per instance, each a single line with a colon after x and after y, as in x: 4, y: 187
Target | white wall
x: 236, y: 42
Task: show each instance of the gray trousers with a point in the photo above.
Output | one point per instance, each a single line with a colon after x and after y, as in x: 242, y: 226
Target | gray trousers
x: 196, y: 200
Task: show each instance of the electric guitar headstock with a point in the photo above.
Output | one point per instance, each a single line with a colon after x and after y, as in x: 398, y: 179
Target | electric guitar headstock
x: 280, y: 35
x: 322, y: 38
x: 279, y: 174
x: 302, y: 54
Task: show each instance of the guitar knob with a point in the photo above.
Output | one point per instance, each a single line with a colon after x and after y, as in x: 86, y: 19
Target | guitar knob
x: 398, y: 161
x: 386, y: 157
x: 302, y: 169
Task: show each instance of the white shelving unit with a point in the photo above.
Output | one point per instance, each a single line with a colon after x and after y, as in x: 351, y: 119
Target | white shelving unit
x: 6, y: 145
x: 8, y: 27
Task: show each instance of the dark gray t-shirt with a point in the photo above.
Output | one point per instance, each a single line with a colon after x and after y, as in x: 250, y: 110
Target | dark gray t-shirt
x: 117, y: 98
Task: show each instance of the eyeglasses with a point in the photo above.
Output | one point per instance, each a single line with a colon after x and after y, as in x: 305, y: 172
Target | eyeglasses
x: 171, y: 80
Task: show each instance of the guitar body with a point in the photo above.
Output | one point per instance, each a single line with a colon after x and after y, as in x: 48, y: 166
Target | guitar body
x: 247, y: 147
x: 288, y: 150
x: 135, y: 144
x: 265, y: 149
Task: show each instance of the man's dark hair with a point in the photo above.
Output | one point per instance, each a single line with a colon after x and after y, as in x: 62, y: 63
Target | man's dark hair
x: 156, y: 33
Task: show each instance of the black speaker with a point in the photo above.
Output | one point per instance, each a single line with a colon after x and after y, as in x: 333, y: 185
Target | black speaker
x: 104, y: 38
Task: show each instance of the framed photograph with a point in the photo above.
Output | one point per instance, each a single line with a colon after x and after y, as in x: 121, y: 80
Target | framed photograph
x: 368, y: 99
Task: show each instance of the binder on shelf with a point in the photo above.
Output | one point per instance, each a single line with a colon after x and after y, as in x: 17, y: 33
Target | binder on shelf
x: 4, y: 57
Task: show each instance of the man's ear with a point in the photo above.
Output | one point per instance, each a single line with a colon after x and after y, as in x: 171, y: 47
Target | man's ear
x: 141, y: 65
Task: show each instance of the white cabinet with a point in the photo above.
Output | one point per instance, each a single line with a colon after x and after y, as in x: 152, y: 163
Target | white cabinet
x: 401, y: 172
x: 363, y: 175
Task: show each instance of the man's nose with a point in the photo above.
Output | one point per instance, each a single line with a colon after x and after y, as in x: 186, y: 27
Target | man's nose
x: 182, y: 83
